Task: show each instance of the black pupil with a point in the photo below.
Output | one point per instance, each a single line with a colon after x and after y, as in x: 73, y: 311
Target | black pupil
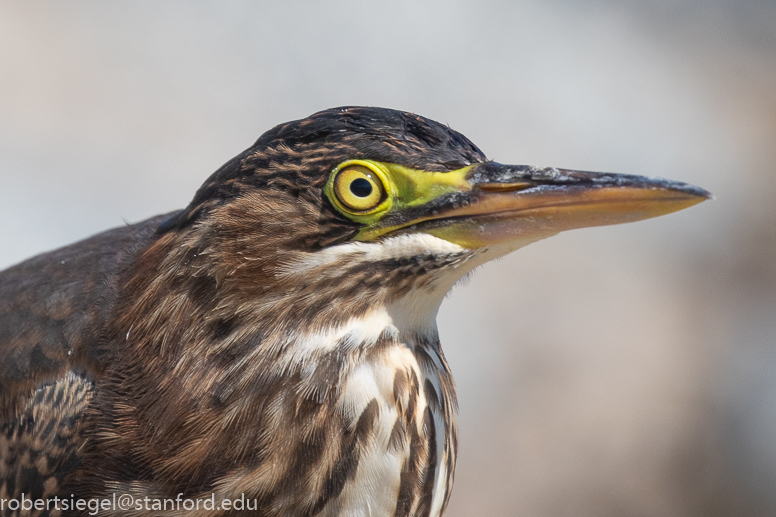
x: 361, y: 187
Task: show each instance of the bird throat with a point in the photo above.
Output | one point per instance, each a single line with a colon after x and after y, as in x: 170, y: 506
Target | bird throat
x: 355, y: 406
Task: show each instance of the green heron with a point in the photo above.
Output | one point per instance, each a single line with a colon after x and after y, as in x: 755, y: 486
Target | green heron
x: 276, y: 339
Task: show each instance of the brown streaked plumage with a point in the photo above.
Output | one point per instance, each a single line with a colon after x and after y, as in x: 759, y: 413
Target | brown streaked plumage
x: 266, y: 342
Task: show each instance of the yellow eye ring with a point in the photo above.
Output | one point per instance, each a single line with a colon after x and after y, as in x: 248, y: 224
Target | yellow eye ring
x: 358, y: 188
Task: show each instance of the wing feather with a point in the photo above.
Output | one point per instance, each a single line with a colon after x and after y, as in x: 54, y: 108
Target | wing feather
x: 40, y: 447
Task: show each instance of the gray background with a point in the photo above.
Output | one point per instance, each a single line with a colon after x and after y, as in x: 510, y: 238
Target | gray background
x: 620, y: 371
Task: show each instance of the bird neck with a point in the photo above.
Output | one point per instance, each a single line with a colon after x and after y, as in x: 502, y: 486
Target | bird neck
x: 198, y: 337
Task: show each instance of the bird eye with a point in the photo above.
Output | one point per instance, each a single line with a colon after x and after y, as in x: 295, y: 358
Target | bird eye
x: 358, y: 188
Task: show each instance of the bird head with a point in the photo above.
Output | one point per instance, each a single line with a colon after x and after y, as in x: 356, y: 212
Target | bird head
x: 359, y: 206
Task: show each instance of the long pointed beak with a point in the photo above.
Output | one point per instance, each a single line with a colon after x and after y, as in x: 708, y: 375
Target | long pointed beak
x: 513, y: 202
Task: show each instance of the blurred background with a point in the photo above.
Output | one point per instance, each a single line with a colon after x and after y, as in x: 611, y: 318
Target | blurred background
x: 620, y: 371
